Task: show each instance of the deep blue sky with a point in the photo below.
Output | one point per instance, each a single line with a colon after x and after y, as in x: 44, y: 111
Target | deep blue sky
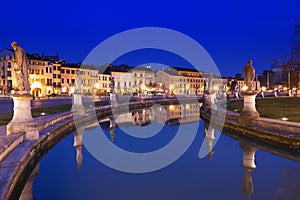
x: 231, y: 31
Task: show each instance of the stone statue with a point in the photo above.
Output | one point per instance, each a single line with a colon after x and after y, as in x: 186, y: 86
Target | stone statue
x: 249, y: 74
x: 21, y: 69
x: 210, y: 82
x: 78, y: 81
x: 112, y: 85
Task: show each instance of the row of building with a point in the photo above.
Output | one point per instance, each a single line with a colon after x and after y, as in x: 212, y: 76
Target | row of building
x: 282, y: 76
x: 49, y: 74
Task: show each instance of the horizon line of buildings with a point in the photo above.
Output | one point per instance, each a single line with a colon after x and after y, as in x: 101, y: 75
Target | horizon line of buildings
x: 49, y: 74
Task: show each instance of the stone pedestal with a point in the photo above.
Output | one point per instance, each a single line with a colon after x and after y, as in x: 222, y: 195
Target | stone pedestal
x: 248, y: 155
x: 22, y: 121
x: 249, y: 110
x: 77, y: 107
x: 209, y: 101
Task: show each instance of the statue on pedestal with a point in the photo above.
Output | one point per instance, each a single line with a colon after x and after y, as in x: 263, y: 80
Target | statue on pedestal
x: 249, y: 73
x: 21, y: 69
x: 210, y: 83
x: 112, y: 85
x: 78, y: 82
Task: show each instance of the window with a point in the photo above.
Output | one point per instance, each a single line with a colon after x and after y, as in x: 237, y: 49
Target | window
x: 54, y: 67
x: 73, y: 71
x: 42, y: 71
x: 68, y: 71
x: 62, y: 80
x: 37, y: 71
x: 58, y: 68
x: 46, y: 69
x: 134, y: 74
x: 73, y: 81
x: 62, y: 71
x: 54, y: 75
x: 68, y: 80
x: 141, y: 75
x: 50, y: 70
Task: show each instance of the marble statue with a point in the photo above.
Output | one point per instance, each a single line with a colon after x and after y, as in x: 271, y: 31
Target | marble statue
x: 249, y: 74
x: 78, y: 81
x: 112, y: 85
x: 21, y: 69
x: 210, y: 82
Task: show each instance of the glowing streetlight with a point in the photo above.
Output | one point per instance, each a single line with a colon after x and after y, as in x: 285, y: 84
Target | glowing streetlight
x: 244, y: 88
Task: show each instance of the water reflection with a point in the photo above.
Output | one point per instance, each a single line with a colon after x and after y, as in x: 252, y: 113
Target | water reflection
x: 179, y: 114
x: 209, y: 133
x: 112, y: 128
x: 249, y: 165
x: 78, y: 145
x: 27, y: 190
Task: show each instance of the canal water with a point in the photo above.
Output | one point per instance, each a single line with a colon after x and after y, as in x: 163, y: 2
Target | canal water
x: 146, y: 162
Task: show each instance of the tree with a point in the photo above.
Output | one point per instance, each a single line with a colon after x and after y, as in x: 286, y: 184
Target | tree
x: 295, y: 54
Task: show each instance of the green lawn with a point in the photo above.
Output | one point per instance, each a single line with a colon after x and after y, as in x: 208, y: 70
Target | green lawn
x: 275, y: 108
x: 37, y: 112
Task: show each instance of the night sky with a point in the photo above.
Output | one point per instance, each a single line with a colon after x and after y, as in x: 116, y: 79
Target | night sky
x: 231, y: 31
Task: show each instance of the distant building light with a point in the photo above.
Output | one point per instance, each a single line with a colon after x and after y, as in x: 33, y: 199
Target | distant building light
x: 245, y: 87
x: 284, y: 119
x: 43, y: 113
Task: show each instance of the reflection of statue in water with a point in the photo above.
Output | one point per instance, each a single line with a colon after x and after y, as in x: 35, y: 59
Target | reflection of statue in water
x: 249, y: 74
x: 78, y: 82
x: 21, y: 68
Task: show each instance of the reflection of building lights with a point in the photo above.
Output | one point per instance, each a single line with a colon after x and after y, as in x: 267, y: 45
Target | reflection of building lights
x: 275, y: 88
x: 263, y: 88
x: 284, y: 88
x: 294, y: 88
x: 245, y: 87
x: 284, y: 119
x: 200, y: 104
x: 171, y: 107
x: 43, y: 113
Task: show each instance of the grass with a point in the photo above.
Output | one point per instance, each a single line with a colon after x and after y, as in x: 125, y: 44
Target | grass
x: 275, y: 108
x: 5, y: 118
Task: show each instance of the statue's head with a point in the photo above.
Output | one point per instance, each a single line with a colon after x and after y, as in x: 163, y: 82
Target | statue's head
x: 250, y: 62
x: 14, y: 45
